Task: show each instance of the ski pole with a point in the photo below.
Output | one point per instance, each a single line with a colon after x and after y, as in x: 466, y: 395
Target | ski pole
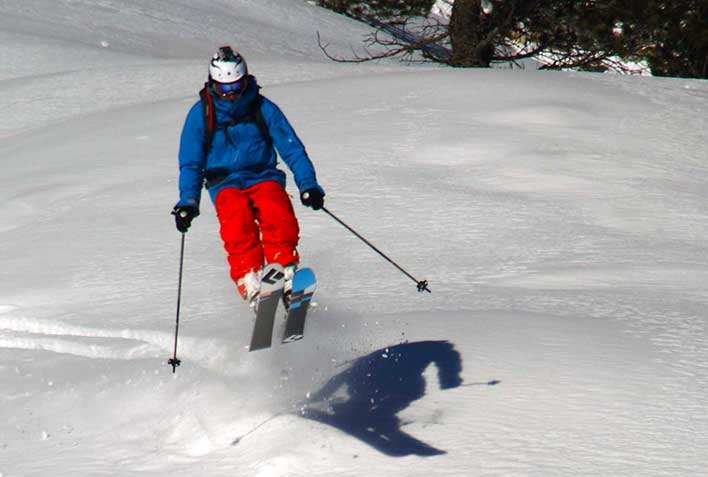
x: 174, y: 362
x: 421, y: 284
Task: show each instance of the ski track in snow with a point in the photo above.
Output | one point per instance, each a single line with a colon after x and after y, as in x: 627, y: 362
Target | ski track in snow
x: 19, y: 332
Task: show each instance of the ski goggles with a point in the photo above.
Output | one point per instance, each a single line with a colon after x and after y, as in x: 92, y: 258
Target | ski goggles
x: 228, y: 90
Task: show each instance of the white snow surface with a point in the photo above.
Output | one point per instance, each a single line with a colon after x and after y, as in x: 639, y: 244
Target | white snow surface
x: 560, y: 219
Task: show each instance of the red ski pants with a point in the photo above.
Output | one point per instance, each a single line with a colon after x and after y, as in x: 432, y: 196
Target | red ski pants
x: 258, y: 226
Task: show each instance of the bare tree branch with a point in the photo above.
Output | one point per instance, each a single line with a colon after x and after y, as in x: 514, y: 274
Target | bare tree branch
x: 400, y: 44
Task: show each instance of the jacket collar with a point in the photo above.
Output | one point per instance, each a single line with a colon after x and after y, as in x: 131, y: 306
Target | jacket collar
x: 240, y: 107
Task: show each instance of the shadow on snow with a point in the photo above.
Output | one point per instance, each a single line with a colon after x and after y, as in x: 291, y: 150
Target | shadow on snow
x: 364, y: 400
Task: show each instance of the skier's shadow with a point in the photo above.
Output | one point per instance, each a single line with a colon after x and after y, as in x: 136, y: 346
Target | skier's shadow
x: 364, y: 399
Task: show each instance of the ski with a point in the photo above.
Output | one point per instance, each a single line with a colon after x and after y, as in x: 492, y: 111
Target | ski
x: 270, y: 294
x: 304, y: 285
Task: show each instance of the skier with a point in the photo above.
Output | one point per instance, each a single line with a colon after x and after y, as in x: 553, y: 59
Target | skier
x: 229, y: 140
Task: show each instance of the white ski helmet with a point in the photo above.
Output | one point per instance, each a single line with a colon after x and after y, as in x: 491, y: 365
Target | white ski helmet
x: 227, y: 66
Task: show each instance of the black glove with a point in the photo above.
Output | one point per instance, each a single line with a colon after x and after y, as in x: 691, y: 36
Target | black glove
x: 183, y: 216
x: 313, y: 198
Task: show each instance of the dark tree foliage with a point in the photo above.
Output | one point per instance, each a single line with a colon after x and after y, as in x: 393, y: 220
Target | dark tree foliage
x: 591, y: 35
x: 391, y: 10
x: 676, y: 37
x: 672, y: 37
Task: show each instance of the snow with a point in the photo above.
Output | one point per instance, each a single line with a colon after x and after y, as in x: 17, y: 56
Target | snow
x: 559, y: 217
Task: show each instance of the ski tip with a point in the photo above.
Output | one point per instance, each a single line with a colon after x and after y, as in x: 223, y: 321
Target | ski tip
x: 306, y: 272
x: 305, y: 279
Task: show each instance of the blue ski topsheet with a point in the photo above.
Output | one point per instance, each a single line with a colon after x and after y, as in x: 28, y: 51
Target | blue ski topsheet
x: 304, y: 285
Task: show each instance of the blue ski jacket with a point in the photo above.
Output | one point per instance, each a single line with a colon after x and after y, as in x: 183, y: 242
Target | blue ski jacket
x: 245, y: 157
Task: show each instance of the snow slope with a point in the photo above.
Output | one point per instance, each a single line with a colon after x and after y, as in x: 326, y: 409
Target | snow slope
x: 559, y: 218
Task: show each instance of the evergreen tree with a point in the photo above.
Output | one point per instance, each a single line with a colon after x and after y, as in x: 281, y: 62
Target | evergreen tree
x: 592, y: 35
x: 675, y: 38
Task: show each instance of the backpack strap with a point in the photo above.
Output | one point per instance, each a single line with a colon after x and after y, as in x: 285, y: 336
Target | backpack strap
x: 260, y: 121
x: 208, y: 111
x: 210, y: 125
